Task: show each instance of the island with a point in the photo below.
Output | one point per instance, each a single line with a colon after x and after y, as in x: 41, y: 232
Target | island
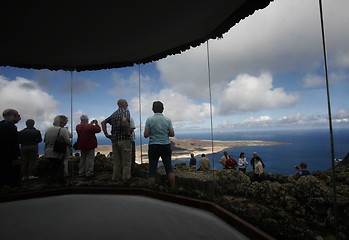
x: 182, y: 148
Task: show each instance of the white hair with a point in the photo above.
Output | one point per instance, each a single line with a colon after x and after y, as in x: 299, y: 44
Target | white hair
x: 84, y: 118
x: 58, y: 119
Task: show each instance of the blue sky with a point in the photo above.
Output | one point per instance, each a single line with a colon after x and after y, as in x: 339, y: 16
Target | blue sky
x: 266, y: 72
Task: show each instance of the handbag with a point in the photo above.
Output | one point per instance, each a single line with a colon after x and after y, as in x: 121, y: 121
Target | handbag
x: 60, y: 146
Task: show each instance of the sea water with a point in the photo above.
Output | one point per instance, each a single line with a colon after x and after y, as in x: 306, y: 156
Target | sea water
x: 310, y: 146
x: 306, y: 145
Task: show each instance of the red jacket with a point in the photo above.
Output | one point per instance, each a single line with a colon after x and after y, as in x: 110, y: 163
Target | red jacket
x: 231, y: 164
x: 87, y: 138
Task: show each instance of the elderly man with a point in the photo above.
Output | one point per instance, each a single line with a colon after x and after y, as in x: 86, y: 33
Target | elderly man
x: 87, y: 142
x: 159, y: 128
x: 10, y: 166
x: 121, y: 141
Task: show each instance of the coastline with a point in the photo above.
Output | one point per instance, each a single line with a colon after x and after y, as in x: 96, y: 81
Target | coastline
x: 182, y: 148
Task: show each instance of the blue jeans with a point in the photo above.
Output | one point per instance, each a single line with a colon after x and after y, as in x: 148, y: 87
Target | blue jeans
x: 156, y: 151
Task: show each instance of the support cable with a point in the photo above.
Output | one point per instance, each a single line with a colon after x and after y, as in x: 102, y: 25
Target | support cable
x: 71, y: 118
x: 140, y: 111
x: 211, y: 118
x: 329, y: 121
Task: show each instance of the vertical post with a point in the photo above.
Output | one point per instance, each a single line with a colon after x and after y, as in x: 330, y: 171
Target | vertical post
x: 211, y: 118
x: 71, y: 106
x: 329, y: 120
x: 71, y: 122
x: 140, y: 112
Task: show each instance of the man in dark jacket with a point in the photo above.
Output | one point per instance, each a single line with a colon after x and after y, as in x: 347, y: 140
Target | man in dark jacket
x: 9, y: 149
x: 29, y: 138
x: 254, y: 160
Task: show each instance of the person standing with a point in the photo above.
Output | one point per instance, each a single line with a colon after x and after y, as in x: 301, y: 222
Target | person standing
x: 56, y: 159
x: 231, y: 163
x: 258, y: 170
x: 87, y: 142
x: 192, y: 162
x: 9, y: 149
x: 29, y: 138
x: 242, y: 162
x: 224, y: 158
x: 159, y: 128
x: 121, y: 141
x: 204, y: 163
x: 254, y: 160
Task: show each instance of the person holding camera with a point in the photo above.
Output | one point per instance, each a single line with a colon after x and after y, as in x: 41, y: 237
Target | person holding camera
x: 87, y: 142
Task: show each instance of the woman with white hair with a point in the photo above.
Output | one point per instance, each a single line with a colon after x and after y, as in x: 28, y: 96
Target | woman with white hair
x: 56, y: 159
x: 87, y: 142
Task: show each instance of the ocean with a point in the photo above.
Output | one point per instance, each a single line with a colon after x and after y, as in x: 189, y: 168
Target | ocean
x: 310, y: 146
x: 306, y: 145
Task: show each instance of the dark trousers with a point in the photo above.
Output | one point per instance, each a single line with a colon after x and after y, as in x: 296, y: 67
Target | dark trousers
x: 155, y: 151
x: 10, y: 175
x: 56, y: 168
x: 133, y: 158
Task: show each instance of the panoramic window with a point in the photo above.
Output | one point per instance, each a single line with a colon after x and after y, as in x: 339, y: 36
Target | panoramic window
x: 249, y: 113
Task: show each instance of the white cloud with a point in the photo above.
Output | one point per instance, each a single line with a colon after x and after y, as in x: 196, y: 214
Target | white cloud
x: 340, y: 119
x: 247, y: 93
x: 81, y: 85
x: 125, y: 86
x: 260, y: 121
x: 272, y: 40
x: 178, y: 107
x: 341, y: 116
x: 28, y: 98
x: 313, y: 80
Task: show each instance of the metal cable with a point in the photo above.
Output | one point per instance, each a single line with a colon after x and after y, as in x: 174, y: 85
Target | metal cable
x: 211, y: 118
x: 140, y: 111
x: 329, y: 120
x: 71, y: 119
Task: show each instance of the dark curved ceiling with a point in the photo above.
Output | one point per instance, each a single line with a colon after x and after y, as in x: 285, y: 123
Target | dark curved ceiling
x: 91, y: 35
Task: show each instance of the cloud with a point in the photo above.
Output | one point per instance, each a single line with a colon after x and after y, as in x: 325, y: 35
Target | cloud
x: 313, y: 80
x: 260, y: 121
x: 125, y: 86
x: 43, y: 77
x: 340, y: 119
x: 272, y: 40
x: 178, y: 107
x: 80, y: 85
x: 341, y: 116
x: 247, y: 93
x: 28, y: 98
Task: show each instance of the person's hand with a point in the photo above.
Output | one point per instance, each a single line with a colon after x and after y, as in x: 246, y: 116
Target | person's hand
x: 108, y: 135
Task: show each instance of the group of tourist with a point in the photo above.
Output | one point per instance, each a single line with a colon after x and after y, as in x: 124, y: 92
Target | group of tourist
x: 18, y: 163
x: 58, y: 145
x: 228, y: 162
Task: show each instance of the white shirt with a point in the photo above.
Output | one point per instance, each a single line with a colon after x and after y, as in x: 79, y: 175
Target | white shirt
x: 242, y: 163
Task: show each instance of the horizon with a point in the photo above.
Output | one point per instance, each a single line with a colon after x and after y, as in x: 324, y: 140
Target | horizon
x: 266, y: 73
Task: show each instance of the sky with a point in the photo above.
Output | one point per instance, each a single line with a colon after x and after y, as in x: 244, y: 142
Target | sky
x: 267, y: 72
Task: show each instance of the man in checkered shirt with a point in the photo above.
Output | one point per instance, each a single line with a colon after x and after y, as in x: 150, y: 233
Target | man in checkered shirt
x: 121, y: 141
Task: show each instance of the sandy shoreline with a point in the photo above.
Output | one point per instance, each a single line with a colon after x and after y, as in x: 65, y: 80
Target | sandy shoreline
x: 182, y: 148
